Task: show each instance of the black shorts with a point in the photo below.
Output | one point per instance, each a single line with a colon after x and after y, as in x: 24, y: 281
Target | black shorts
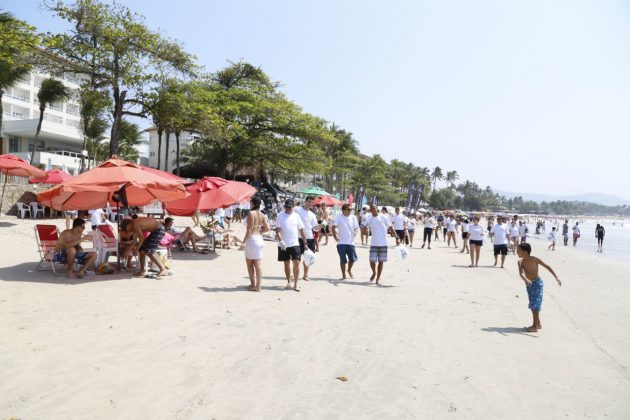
x: 500, y: 249
x: 311, y: 245
x: 400, y: 234
x: 290, y: 253
x: 478, y: 243
x: 464, y: 235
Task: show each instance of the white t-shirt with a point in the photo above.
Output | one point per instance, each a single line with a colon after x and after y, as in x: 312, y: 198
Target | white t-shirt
x: 522, y: 229
x: 289, y: 226
x: 411, y: 223
x: 308, y: 220
x: 399, y: 222
x: 476, y: 232
x: 452, y: 226
x: 379, y: 226
x: 429, y: 222
x: 514, y: 231
x: 346, y: 227
x: 96, y: 216
x: 219, y: 212
x: 229, y: 212
x: 464, y: 227
x: 500, y: 234
x: 245, y: 205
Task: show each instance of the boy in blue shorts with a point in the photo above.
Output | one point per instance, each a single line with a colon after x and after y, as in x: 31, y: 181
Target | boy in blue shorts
x: 528, y: 270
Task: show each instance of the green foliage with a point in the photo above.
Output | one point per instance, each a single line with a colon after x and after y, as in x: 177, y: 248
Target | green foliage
x: 118, y: 52
x: 130, y: 138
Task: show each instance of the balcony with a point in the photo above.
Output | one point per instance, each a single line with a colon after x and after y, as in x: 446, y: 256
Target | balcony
x: 53, y: 129
x: 62, y: 159
x: 14, y: 116
x: 17, y: 97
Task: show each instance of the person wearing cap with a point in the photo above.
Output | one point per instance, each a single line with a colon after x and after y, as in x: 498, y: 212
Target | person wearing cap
x: 344, y: 230
x: 310, y: 223
x: 289, y: 228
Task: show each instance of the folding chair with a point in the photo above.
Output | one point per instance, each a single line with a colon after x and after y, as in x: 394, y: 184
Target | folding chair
x: 47, y: 237
x: 23, y: 209
x: 105, y: 242
x: 36, y: 209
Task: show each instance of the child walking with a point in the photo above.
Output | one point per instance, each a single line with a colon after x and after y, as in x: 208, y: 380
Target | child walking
x: 528, y: 270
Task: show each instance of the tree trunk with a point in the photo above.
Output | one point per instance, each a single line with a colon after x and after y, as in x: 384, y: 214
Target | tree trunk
x: 168, y: 142
x: 222, y: 163
x: 39, y: 128
x: 177, y: 133
x: 119, y: 101
x: 160, y: 131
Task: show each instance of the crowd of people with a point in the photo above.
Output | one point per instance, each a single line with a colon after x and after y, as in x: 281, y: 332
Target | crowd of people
x: 300, y: 228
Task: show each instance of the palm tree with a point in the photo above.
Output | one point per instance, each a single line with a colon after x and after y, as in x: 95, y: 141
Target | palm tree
x: 451, y: 177
x: 130, y: 138
x: 95, y: 134
x: 52, y: 90
x: 9, y: 75
x: 436, y: 175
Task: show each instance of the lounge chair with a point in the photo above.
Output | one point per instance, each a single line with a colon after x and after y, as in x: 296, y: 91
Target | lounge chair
x: 47, y: 237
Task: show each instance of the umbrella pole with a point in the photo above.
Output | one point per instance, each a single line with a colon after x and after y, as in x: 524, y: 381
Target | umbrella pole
x: 3, y: 187
x: 118, y: 228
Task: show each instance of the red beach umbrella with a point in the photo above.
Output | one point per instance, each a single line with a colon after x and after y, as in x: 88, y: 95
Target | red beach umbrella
x: 329, y: 200
x: 54, y: 176
x: 95, y: 188
x: 11, y: 165
x: 211, y: 193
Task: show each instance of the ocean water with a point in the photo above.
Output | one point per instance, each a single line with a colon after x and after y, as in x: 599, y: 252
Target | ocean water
x: 616, y: 240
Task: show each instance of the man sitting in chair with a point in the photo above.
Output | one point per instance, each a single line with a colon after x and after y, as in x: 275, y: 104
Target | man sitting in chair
x: 68, y: 249
x: 183, y: 235
x: 149, y: 245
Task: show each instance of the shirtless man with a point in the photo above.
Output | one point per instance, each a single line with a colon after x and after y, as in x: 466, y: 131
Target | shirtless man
x: 149, y: 245
x: 68, y: 249
x: 323, y: 217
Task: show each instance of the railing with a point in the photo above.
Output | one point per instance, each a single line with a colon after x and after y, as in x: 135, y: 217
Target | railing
x: 25, y: 81
x: 56, y: 108
x: 53, y: 118
x: 74, y: 112
x: 15, y: 115
x: 19, y: 98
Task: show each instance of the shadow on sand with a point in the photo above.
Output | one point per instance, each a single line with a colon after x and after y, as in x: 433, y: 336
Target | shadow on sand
x: 6, y: 224
x: 509, y: 330
x: 25, y: 272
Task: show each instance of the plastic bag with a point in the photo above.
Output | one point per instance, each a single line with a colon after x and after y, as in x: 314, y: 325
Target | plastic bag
x: 401, y: 252
x: 309, y: 257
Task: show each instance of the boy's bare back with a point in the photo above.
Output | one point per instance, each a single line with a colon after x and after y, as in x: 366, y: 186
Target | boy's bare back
x: 528, y: 267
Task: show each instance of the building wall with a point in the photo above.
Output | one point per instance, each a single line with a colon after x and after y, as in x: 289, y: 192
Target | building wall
x: 171, y: 154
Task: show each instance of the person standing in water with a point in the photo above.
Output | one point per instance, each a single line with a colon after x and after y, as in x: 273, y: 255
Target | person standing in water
x: 599, y: 234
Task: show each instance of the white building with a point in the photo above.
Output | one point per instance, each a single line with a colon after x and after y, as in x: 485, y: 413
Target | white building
x: 60, y: 141
x: 169, y: 155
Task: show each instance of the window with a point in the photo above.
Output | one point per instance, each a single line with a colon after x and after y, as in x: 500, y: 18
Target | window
x: 14, y: 144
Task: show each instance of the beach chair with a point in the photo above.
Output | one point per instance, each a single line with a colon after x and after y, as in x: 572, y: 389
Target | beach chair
x: 23, y: 209
x: 36, y: 209
x: 105, y: 242
x: 47, y: 237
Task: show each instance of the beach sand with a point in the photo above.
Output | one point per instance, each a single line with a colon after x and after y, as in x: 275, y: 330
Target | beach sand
x: 439, y: 340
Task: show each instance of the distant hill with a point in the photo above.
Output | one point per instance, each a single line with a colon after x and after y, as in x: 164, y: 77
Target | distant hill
x: 603, y: 199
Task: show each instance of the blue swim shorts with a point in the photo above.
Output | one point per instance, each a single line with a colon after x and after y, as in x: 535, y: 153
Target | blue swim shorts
x: 346, y: 253
x: 61, y: 257
x: 535, y: 294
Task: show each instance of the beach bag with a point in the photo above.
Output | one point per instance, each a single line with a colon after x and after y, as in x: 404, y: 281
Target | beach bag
x: 309, y: 257
x: 105, y: 268
x: 401, y: 252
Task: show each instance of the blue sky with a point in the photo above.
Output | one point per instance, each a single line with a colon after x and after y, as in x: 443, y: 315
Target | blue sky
x: 523, y: 96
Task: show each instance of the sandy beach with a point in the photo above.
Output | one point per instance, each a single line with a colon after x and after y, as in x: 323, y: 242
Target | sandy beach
x: 438, y: 340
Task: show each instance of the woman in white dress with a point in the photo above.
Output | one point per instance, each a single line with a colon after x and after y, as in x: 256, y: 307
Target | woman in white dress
x: 257, y: 224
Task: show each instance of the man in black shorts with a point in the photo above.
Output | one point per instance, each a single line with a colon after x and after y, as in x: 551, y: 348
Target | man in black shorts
x: 499, y: 235
x: 289, y: 228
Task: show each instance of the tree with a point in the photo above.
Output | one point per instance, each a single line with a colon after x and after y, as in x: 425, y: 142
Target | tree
x: 93, y: 104
x: 130, y: 138
x: 113, y: 46
x: 52, y: 90
x: 451, y: 177
x: 436, y: 175
x: 17, y: 43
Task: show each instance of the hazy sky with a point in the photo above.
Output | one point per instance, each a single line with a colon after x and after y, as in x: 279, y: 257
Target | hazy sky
x: 525, y: 96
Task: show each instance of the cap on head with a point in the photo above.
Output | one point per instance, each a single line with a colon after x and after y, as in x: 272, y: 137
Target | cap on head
x: 289, y: 203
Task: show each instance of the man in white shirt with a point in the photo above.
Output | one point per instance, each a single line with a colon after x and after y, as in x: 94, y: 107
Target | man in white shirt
x: 344, y: 230
x: 309, y: 220
x: 499, y: 235
x: 379, y: 225
x: 399, y: 225
x: 96, y: 217
x: 289, y: 228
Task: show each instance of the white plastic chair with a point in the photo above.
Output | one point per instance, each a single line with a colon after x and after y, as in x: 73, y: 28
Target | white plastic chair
x: 23, y: 209
x: 36, y: 209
